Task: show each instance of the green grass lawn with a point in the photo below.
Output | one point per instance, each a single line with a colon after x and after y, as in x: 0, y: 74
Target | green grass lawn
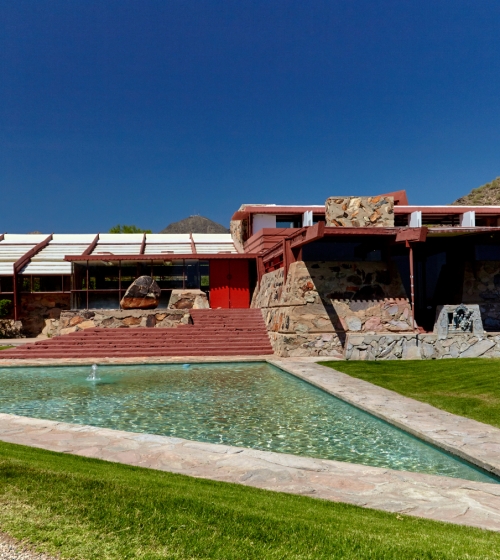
x: 91, y: 509
x: 5, y: 347
x: 468, y: 387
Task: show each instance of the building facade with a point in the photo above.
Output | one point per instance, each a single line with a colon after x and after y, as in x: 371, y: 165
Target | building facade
x: 327, y: 277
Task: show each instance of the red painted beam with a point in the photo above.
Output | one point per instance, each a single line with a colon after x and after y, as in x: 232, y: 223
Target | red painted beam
x: 448, y: 210
x: 20, y: 263
x: 160, y: 257
x: 412, y: 234
x: 92, y: 246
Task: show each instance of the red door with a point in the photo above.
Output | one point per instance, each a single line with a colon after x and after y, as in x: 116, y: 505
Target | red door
x: 229, y: 284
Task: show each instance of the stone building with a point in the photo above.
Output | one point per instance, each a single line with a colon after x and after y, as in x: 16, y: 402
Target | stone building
x: 358, y: 277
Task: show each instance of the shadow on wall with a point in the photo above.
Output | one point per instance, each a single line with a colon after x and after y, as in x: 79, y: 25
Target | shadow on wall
x: 482, y: 286
x: 322, y: 301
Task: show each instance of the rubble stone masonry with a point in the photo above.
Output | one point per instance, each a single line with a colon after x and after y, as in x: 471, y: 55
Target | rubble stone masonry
x: 321, y: 301
x: 360, y: 211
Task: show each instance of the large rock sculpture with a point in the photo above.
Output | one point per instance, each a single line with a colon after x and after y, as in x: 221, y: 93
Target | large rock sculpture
x: 143, y: 293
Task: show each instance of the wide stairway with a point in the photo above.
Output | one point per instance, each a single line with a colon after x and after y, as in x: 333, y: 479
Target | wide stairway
x: 214, y: 332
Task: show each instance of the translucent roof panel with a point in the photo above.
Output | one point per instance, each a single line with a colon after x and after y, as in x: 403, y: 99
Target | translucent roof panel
x: 120, y: 238
x: 117, y: 249
x: 158, y: 243
x: 50, y: 260
x: 70, y: 238
x: 212, y: 238
x: 168, y: 238
x: 24, y: 238
x: 158, y: 248
x: 213, y: 243
x: 13, y: 247
x: 214, y: 248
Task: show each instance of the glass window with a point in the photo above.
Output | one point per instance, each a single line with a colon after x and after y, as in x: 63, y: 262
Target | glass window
x: 6, y: 284
x: 170, y: 276
x: 192, y: 273
x: 204, y: 275
x: 488, y: 252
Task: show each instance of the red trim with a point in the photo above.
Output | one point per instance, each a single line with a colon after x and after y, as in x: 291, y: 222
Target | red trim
x: 143, y: 245
x: 92, y: 246
x: 22, y: 261
x: 447, y: 210
x: 412, y: 234
x: 160, y: 257
x: 400, y: 197
x: 278, y: 210
x: 31, y: 253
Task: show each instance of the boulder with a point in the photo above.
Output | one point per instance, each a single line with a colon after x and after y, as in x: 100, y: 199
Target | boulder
x: 188, y: 299
x: 143, y: 293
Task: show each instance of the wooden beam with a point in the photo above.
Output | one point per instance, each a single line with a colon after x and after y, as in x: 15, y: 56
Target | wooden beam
x: 92, y: 246
x: 412, y: 234
x: 22, y: 261
x: 18, y: 266
x: 143, y: 245
x: 307, y: 235
x: 193, y: 245
x: 160, y: 257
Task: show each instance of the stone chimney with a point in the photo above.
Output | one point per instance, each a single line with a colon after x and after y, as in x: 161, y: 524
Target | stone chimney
x: 359, y: 211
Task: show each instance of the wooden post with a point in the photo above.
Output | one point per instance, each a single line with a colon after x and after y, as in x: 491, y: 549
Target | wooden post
x: 412, y: 286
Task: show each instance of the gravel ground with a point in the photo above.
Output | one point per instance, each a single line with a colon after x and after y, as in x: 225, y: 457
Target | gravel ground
x: 11, y: 549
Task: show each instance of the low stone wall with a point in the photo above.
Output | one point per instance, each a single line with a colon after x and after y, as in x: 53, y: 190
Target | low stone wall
x: 287, y: 345
x: 11, y: 329
x: 391, y: 346
x: 37, y: 310
x: 73, y: 321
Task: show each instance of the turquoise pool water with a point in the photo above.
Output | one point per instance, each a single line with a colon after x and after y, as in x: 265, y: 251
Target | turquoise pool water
x: 248, y: 405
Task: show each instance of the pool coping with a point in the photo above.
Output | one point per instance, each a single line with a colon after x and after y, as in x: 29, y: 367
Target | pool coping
x: 468, y: 439
x: 440, y: 498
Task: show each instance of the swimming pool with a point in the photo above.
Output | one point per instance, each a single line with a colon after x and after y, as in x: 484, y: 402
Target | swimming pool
x: 242, y: 404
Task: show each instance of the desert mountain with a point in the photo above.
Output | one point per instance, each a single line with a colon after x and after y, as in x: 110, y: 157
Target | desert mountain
x: 195, y: 224
x: 486, y: 195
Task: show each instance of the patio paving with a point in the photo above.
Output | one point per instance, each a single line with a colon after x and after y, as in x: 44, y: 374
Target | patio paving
x: 434, y: 497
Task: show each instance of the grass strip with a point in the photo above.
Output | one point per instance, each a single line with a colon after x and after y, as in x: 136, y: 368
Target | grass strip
x: 89, y: 509
x: 467, y: 387
x: 6, y: 347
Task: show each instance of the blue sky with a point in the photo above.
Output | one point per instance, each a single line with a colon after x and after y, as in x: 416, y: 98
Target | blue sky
x: 146, y: 112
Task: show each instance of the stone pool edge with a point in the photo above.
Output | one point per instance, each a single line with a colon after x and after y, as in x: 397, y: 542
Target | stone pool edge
x: 468, y: 439
x: 452, y: 500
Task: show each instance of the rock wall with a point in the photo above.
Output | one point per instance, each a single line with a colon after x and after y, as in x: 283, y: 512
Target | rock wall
x: 482, y: 286
x: 11, y: 329
x: 420, y: 346
x: 327, y: 344
x: 360, y: 211
x: 36, y: 309
x: 330, y: 298
x: 73, y: 321
x: 239, y: 233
